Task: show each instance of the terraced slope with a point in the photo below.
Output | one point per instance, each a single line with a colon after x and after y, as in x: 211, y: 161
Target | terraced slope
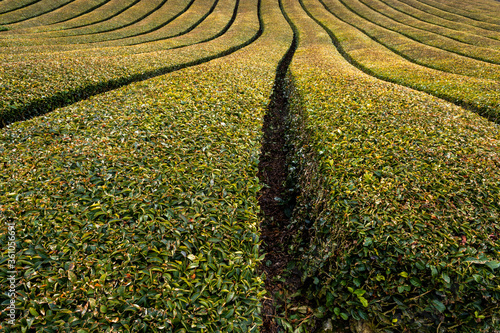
x: 136, y: 13
x: 480, y: 94
x: 250, y: 165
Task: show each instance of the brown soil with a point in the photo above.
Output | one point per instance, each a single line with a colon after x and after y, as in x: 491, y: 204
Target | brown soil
x: 276, y: 201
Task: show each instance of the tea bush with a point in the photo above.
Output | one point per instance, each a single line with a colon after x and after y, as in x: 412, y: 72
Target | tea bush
x: 398, y: 210
x: 136, y: 210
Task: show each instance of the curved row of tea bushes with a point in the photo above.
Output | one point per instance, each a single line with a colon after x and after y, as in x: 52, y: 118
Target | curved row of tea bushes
x: 38, y: 9
x: 113, y: 28
x: 427, y: 37
x: 488, y: 7
x: 67, y: 12
x: 35, y: 87
x: 413, y: 17
x: 182, y: 31
x: 470, y: 9
x: 450, y: 15
x: 399, y: 204
x: 479, y: 94
x: 142, y: 23
x: 195, y: 24
x: 420, y: 46
x: 136, y: 210
x: 190, y: 18
x: 485, y: 6
x: 11, y: 5
x: 104, y: 13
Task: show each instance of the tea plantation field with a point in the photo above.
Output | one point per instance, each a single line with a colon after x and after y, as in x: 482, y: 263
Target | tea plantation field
x: 250, y: 166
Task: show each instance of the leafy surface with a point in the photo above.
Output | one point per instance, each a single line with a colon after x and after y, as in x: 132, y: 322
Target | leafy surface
x: 398, y: 209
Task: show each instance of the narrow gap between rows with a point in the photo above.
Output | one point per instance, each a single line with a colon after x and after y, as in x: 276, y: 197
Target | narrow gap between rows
x: 276, y: 198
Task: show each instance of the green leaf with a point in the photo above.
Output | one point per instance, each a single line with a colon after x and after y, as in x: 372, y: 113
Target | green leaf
x: 363, y: 300
x: 34, y: 312
x: 71, y: 276
x: 438, y: 305
x: 92, y: 303
x: 329, y: 299
x: 229, y: 297
x: 359, y: 292
x: 416, y: 282
x: 344, y: 316
x: 493, y: 264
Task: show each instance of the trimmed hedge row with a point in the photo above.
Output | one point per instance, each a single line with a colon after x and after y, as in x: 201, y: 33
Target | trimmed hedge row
x: 419, y: 19
x: 136, y: 210
x: 139, y: 19
x: 109, y: 10
x: 399, y: 204
x: 488, y: 7
x: 35, y: 86
x: 92, y: 33
x: 183, y: 31
x: 400, y: 16
x: 479, y: 94
x: 471, y: 10
x: 9, y: 6
x: 37, y: 9
x: 451, y: 15
x: 67, y: 12
x: 424, y: 47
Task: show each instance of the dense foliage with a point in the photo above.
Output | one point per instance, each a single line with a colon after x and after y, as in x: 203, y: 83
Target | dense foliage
x: 136, y: 210
x: 134, y: 193
x: 399, y: 194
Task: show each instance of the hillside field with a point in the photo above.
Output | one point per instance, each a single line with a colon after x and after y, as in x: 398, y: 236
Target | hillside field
x: 250, y: 166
